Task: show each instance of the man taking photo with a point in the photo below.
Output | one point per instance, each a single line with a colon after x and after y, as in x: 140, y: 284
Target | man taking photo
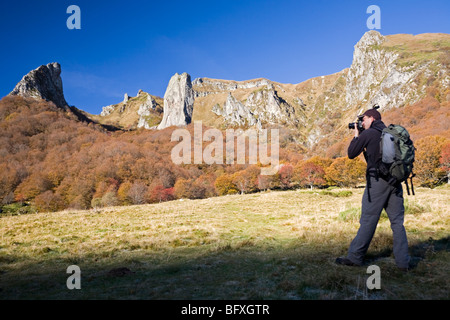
x: 378, y: 195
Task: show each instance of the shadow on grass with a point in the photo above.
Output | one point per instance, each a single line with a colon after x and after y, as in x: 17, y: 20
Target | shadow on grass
x: 247, y: 272
x: 418, y: 251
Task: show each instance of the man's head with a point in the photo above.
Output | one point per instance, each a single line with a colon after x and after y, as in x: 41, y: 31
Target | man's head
x: 370, y: 116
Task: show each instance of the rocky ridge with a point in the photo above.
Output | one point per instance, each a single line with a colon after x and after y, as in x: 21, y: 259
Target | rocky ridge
x: 392, y: 71
x: 43, y: 83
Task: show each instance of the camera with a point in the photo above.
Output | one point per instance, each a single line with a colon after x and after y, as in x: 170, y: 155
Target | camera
x: 358, y: 124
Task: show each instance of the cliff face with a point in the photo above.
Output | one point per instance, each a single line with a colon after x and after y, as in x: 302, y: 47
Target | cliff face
x: 261, y: 106
x: 396, y: 70
x: 178, y: 102
x: 43, y: 83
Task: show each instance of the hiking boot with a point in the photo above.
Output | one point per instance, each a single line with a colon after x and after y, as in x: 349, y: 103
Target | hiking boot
x: 345, y: 262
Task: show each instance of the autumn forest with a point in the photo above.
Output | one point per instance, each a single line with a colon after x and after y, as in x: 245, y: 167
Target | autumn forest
x: 50, y: 160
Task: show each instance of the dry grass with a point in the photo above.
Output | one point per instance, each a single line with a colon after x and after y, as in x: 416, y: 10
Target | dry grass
x: 274, y: 245
x: 419, y: 48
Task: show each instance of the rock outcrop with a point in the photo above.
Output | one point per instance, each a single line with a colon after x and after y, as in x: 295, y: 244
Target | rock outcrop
x: 387, y: 71
x: 141, y: 111
x: 261, y: 106
x: 269, y: 107
x: 235, y: 113
x: 145, y: 111
x: 106, y: 111
x: 178, y: 102
x: 43, y: 83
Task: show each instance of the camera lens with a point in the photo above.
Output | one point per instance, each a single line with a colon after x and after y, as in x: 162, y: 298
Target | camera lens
x: 351, y: 125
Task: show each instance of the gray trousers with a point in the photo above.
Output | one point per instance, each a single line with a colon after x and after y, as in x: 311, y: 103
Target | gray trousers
x: 390, y: 198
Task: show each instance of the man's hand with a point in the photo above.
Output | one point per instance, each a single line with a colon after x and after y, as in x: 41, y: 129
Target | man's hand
x: 356, y: 131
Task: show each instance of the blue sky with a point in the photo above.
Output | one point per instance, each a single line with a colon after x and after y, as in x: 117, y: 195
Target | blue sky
x: 124, y: 46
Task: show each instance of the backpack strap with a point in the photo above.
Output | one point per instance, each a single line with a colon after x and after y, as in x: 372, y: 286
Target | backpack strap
x: 407, y: 188
x: 412, y: 186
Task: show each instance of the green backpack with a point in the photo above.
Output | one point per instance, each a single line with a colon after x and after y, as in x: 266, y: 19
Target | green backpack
x: 397, y: 155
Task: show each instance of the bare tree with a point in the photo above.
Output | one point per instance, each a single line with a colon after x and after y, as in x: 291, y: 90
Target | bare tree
x: 138, y: 192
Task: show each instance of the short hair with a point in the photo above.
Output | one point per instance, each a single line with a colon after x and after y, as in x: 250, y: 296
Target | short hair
x: 373, y: 113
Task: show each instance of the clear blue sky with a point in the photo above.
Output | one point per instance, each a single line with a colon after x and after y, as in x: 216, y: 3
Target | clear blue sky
x: 124, y: 46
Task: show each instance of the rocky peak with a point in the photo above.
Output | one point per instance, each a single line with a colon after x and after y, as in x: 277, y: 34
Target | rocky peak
x: 370, y: 65
x: 387, y: 70
x: 178, y: 101
x: 126, y: 97
x: 43, y: 83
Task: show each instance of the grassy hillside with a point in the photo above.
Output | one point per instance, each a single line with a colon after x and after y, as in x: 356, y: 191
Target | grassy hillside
x: 416, y: 49
x: 271, y: 245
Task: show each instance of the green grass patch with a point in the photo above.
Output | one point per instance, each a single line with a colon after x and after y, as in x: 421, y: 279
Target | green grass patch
x: 342, y: 193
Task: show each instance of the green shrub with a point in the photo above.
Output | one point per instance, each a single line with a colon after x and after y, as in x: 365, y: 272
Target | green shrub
x: 17, y: 208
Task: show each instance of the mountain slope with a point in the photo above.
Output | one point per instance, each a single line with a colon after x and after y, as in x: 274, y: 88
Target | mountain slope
x: 393, y: 71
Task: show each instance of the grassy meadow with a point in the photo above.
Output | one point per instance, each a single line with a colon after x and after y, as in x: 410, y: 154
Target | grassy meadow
x: 268, y: 245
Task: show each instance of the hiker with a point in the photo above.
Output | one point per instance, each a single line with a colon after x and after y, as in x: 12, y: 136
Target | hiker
x: 378, y: 195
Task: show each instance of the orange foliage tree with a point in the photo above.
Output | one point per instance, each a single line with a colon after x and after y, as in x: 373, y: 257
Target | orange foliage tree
x: 160, y: 194
x: 122, y: 193
x: 344, y: 172
x: 427, y: 165
x: 49, y: 201
x: 246, y: 180
x: 224, y: 185
x: 308, y: 173
x: 445, y: 160
x: 286, y: 173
